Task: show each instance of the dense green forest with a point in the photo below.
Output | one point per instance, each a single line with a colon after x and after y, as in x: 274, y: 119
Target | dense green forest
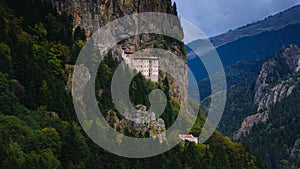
x: 38, y: 126
x: 275, y: 139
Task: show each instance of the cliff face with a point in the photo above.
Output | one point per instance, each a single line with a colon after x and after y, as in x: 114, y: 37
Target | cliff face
x: 267, y: 89
x: 276, y: 81
x: 92, y: 14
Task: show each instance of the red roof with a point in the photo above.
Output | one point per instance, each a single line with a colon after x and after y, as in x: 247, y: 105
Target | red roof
x: 186, y: 136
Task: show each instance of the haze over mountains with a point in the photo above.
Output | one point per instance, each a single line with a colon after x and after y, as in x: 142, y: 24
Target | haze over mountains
x: 271, y: 23
x: 253, y: 42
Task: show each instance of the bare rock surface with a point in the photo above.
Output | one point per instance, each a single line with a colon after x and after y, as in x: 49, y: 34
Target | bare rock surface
x: 276, y: 81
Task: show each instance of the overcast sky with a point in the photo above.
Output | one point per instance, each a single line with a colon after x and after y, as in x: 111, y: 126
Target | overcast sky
x: 214, y: 17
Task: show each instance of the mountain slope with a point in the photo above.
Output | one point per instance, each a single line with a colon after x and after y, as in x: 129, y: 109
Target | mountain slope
x: 276, y: 139
x: 276, y: 81
x: 262, y: 108
x: 272, y: 130
x: 37, y: 121
x: 248, y: 53
x: 275, y: 22
x: 262, y: 41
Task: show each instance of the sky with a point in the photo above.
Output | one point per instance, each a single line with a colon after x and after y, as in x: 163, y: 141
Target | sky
x: 214, y: 17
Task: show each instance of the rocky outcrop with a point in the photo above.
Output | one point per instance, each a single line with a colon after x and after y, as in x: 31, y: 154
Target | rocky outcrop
x: 249, y: 122
x: 280, y: 91
x: 290, y: 57
x: 276, y: 81
x: 79, y: 84
x: 69, y: 72
x: 93, y: 14
x: 261, y: 82
x: 139, y: 122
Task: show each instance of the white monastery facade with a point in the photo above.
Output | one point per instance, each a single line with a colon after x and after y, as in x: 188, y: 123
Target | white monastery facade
x: 148, y: 66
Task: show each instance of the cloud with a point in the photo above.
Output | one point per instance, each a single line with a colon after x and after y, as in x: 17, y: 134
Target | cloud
x: 218, y: 16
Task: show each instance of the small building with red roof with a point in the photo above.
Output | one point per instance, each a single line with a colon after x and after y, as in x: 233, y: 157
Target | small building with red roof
x: 188, y: 137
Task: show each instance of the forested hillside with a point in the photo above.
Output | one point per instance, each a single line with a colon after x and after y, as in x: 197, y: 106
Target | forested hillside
x: 273, y: 131
x: 275, y: 139
x: 242, y: 60
x: 38, y: 126
x: 262, y: 110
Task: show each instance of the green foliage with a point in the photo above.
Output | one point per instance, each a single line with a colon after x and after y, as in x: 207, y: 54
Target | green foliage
x: 240, y: 79
x: 15, y: 157
x: 74, y: 148
x: 8, y: 101
x: 5, y: 58
x: 139, y: 90
x: 275, y: 139
x: 57, y: 54
x: 79, y: 34
x: 37, y: 120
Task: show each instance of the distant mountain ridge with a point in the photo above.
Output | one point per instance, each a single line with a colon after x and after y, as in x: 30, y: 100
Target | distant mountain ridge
x: 251, y: 42
x: 274, y: 22
x: 257, y: 47
x: 271, y: 23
